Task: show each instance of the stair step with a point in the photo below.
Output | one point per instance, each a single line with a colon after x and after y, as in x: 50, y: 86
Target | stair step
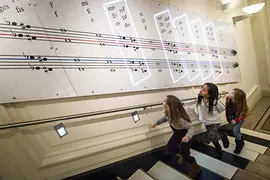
x: 245, y: 153
x: 258, y: 169
x: 250, y: 151
x: 250, y: 136
x: 214, y: 165
x: 267, y: 152
x: 161, y: 171
x: 140, y: 175
x: 185, y: 168
x: 251, y: 146
x: 263, y: 159
x: 256, y: 134
x: 228, y: 158
x: 243, y: 174
x: 257, y: 113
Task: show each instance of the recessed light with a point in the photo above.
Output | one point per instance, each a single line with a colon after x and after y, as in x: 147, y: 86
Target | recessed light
x: 135, y: 116
x: 61, y: 130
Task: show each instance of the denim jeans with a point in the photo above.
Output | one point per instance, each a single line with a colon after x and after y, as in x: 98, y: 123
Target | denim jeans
x: 236, y: 130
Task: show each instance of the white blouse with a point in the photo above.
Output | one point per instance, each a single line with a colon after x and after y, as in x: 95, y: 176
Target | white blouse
x: 207, y: 118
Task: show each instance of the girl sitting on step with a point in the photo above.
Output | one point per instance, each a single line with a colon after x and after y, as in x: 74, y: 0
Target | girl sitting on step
x: 183, y: 131
x: 210, y: 109
x: 236, y: 112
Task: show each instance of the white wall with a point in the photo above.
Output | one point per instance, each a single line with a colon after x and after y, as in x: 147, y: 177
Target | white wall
x: 37, y: 152
x: 260, y: 30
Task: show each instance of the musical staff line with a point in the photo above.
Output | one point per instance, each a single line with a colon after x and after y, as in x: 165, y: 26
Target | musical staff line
x: 13, y: 62
x: 70, y: 36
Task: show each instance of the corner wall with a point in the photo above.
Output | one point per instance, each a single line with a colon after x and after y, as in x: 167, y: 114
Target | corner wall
x: 260, y: 29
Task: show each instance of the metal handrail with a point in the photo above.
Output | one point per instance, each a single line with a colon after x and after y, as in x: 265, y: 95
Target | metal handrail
x: 83, y: 115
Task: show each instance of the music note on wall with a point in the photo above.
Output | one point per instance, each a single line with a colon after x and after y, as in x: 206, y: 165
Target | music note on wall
x: 163, y: 21
x: 132, y: 40
x: 63, y: 30
x: 77, y: 60
x: 121, y: 21
x: 110, y: 63
x: 101, y: 42
x: 40, y: 60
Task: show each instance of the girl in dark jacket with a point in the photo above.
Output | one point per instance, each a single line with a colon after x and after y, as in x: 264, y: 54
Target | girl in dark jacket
x: 236, y: 112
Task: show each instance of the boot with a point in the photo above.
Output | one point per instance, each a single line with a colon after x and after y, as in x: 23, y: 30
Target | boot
x: 242, y: 139
x: 180, y: 159
x: 239, y: 145
x: 195, y: 170
x: 225, y: 140
x: 218, y: 149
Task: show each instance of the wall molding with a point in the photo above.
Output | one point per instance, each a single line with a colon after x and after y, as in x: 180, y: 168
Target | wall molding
x: 252, y: 90
x: 106, y: 142
x: 253, y: 96
x: 138, y: 148
x: 54, y: 158
x: 266, y: 92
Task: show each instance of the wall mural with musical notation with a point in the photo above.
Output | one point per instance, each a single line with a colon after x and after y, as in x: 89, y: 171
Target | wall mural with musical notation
x: 65, y: 48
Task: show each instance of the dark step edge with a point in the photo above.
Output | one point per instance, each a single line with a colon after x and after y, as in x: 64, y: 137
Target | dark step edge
x: 250, y: 175
x: 225, y: 157
x: 247, y: 137
x: 183, y: 168
x: 106, y: 167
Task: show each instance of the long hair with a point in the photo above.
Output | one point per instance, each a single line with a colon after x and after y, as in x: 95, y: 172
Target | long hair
x: 240, y: 102
x: 177, y: 109
x: 212, y: 99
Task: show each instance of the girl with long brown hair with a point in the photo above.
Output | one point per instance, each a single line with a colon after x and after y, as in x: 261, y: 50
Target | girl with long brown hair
x: 183, y: 131
x: 236, y: 112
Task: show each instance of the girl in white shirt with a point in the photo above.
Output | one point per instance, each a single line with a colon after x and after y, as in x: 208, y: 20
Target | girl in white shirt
x: 210, y: 109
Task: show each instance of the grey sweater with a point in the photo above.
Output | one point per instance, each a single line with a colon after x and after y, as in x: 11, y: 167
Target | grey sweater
x: 182, y: 124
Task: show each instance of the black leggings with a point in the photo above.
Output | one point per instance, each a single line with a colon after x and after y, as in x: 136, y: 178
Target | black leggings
x: 175, y: 140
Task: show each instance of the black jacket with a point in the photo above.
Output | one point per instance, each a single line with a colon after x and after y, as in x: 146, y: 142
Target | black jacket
x: 230, y: 110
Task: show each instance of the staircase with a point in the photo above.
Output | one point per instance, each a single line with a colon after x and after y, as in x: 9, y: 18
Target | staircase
x: 252, y: 163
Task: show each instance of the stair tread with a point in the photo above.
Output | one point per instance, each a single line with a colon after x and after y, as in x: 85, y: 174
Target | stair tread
x: 243, y: 174
x: 226, y: 157
x: 217, y: 166
x: 267, y: 152
x: 245, y: 153
x: 258, y: 169
x: 140, y: 175
x: 250, y: 136
x: 263, y: 159
x: 256, y: 134
x: 251, y: 146
x: 185, y: 167
x: 161, y: 171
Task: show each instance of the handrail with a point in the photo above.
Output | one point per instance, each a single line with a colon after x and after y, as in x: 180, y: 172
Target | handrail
x: 83, y: 115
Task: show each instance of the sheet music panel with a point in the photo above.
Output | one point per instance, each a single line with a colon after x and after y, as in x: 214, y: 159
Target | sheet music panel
x: 66, y: 48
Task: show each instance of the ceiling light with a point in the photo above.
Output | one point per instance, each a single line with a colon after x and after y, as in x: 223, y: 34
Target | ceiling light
x: 225, y: 1
x: 253, y: 8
